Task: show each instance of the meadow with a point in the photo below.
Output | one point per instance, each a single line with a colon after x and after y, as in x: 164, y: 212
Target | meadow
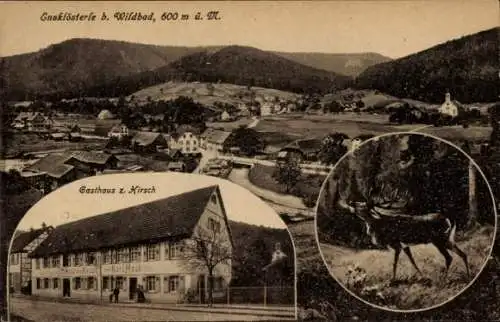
x: 409, y: 291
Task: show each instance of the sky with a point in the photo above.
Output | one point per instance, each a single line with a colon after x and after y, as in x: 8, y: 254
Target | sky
x: 66, y: 204
x: 392, y: 28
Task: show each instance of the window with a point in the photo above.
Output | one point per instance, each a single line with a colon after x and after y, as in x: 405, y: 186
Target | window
x: 120, y: 282
x: 105, y: 283
x: 153, y: 252
x: 77, y: 259
x: 55, y: 261
x: 77, y: 283
x: 46, y: 262
x: 188, y: 149
x: 151, y: 283
x: 107, y: 257
x: 213, y: 199
x: 66, y: 260
x: 175, y: 250
x: 114, y: 256
x: 45, y: 283
x: 55, y: 283
x: 123, y: 255
x: 91, y: 283
x: 135, y: 254
x: 213, y: 225
x: 91, y: 258
x: 218, y: 283
x: 38, y: 283
x: 173, y: 284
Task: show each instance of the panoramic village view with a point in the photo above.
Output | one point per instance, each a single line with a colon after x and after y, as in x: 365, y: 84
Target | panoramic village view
x: 272, y: 122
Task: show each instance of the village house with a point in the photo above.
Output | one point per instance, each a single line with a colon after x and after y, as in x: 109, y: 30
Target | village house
x: 148, y: 247
x: 119, y: 131
x: 213, y: 140
x: 55, y: 170
x: 32, y: 122
x: 225, y: 116
x: 148, y: 142
x: 19, y: 263
x: 301, y: 150
x: 186, y: 139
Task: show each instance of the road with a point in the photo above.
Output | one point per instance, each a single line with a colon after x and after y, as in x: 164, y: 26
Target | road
x: 254, y: 122
x: 54, y: 311
x: 240, y: 177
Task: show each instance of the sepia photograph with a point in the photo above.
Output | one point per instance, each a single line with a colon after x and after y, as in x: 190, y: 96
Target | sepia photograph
x: 406, y: 221
x: 189, y: 253
x: 268, y: 95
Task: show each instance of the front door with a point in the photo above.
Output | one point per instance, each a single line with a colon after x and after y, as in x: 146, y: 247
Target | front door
x: 201, y: 288
x: 66, y: 287
x: 132, y: 287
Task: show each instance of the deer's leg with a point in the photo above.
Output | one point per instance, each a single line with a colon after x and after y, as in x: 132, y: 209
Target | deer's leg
x: 397, y: 251
x: 410, y: 256
x: 453, y: 247
x: 443, y: 250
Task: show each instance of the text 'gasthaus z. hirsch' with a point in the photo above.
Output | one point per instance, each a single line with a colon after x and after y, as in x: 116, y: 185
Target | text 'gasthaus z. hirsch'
x: 135, y: 189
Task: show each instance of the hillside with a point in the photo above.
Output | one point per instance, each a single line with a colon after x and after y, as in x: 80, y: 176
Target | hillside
x: 467, y: 67
x: 115, y: 68
x: 207, y: 93
x: 74, y: 65
x: 351, y: 64
x: 233, y: 64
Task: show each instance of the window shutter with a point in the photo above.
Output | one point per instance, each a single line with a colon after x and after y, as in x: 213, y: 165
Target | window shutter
x: 157, y: 283
x: 95, y: 283
x: 83, y: 283
x: 181, y: 283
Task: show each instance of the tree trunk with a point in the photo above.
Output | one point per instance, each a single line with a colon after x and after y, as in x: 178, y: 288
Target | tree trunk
x: 210, y: 288
x: 472, y: 195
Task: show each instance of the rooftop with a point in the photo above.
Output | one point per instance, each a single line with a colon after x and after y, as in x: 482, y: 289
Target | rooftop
x: 162, y: 219
x: 25, y: 238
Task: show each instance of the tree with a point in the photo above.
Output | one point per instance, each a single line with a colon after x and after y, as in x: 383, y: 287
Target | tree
x: 247, y: 140
x: 288, y: 174
x: 208, y: 249
x: 332, y: 148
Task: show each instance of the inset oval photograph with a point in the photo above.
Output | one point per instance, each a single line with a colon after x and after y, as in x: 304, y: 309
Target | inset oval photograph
x: 152, y: 246
x: 406, y: 221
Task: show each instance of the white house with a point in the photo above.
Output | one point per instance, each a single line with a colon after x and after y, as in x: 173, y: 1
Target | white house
x: 147, y: 247
x: 119, y: 131
x: 449, y: 107
x: 186, y: 139
x: 19, y: 264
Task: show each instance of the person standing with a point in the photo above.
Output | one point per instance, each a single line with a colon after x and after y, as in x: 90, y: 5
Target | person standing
x: 116, y: 292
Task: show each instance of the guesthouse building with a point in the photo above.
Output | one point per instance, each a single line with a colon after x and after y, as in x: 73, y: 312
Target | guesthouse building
x: 150, y: 247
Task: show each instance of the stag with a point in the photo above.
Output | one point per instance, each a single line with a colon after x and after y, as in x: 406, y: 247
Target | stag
x: 400, y: 231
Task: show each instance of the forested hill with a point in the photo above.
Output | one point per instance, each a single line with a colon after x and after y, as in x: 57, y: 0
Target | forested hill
x: 91, y: 67
x: 467, y: 67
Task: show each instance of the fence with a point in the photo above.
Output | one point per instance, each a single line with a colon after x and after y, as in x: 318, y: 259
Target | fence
x: 260, y: 295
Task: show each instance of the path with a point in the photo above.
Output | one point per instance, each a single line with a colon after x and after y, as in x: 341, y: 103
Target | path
x: 254, y: 122
x: 240, y: 177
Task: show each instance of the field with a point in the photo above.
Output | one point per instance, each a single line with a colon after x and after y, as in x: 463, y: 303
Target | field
x: 408, y: 291
x: 19, y: 142
x: 199, y: 92
x: 309, y: 126
x: 320, y: 296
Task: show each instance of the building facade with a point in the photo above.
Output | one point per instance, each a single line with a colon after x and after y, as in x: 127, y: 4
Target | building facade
x: 449, y: 107
x: 187, y: 143
x: 19, y: 263
x: 154, y: 252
